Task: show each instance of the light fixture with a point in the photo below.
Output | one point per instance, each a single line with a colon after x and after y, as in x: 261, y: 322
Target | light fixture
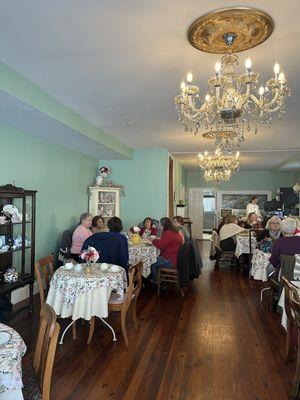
x: 234, y: 102
x: 218, y: 166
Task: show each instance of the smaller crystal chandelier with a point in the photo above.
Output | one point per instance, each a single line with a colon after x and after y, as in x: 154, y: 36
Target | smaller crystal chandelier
x: 219, y: 166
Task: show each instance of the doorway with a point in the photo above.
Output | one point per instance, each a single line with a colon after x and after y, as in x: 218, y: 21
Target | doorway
x: 209, y: 213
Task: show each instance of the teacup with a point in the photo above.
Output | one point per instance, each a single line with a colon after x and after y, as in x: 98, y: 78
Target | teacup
x: 69, y: 265
x: 104, y: 267
x: 115, y: 268
x: 78, y: 268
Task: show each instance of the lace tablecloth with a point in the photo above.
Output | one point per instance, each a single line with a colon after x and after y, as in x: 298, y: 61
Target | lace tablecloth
x: 281, y: 304
x: 11, y: 355
x: 259, y: 264
x: 242, y: 245
x: 84, y: 294
x: 143, y: 252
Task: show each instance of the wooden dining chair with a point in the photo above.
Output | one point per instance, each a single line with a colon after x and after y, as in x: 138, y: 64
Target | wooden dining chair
x: 168, y: 275
x: 288, y: 289
x: 44, y: 269
x: 295, y: 304
x: 37, y: 381
x: 122, y: 305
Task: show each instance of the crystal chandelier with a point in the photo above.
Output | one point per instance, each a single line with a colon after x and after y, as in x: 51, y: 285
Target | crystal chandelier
x: 218, y: 166
x: 234, y: 103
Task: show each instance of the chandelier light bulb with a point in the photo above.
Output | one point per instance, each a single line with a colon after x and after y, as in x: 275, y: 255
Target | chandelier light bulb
x: 248, y: 64
x: 205, y: 153
x: 182, y: 85
x: 281, y: 77
x: 207, y: 97
x: 237, y: 155
x: 199, y: 155
x: 261, y: 91
x: 276, y: 70
x: 218, y: 66
x: 189, y: 77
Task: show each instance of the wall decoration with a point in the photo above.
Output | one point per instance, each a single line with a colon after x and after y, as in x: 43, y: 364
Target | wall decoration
x: 240, y: 201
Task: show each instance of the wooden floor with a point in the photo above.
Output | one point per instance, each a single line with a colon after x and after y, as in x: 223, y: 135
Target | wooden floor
x: 218, y: 343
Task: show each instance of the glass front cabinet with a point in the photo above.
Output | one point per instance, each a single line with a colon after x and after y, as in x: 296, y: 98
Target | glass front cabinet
x: 104, y: 201
x: 17, y: 244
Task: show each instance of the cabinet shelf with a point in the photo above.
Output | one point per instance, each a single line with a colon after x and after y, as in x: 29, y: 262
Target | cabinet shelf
x: 13, y: 251
x: 14, y: 223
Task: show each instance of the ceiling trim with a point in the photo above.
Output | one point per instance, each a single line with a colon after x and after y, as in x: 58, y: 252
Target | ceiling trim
x: 14, y: 84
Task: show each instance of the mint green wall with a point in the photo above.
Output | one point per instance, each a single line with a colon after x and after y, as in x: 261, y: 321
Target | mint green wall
x: 145, y: 183
x: 297, y: 176
x: 60, y: 176
x: 247, y: 180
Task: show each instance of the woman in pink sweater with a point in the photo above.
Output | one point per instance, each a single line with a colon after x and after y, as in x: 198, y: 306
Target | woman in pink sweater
x: 81, y: 233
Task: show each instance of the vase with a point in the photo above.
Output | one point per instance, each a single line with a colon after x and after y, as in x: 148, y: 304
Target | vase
x: 135, y: 238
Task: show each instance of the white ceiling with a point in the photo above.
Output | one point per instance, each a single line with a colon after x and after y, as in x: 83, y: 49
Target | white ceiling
x: 119, y: 63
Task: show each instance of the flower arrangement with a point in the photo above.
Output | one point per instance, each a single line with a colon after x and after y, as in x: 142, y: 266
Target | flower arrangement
x: 135, y: 229
x: 90, y: 255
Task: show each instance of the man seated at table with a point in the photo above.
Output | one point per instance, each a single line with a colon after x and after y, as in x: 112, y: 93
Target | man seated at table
x: 288, y: 244
x: 112, y: 246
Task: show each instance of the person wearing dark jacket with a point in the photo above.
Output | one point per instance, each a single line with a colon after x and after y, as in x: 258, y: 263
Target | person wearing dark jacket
x: 112, y: 246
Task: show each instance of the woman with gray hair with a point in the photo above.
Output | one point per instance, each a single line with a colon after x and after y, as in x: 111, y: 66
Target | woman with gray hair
x: 288, y: 244
x: 81, y: 233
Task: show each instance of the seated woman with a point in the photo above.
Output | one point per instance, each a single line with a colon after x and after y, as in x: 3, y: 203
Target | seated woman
x: 228, y: 233
x: 178, y: 223
x: 81, y: 233
x: 288, y: 244
x: 169, y: 245
x: 252, y: 222
x: 112, y: 246
x: 272, y: 230
x: 98, y: 224
x: 148, y: 229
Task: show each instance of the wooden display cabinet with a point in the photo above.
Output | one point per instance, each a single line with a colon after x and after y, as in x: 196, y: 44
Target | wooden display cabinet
x: 23, y: 257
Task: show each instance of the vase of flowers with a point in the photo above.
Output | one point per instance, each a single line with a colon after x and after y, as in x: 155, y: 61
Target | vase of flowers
x: 90, y: 255
x: 135, y: 238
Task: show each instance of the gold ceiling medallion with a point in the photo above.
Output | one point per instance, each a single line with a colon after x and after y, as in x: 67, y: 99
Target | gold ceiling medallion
x: 230, y: 30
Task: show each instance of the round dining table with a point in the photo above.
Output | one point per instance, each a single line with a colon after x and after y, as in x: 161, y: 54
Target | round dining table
x: 145, y: 252
x: 12, y: 349
x: 84, y: 291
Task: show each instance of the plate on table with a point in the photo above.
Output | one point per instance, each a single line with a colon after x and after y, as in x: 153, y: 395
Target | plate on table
x: 5, y: 337
x: 115, y: 268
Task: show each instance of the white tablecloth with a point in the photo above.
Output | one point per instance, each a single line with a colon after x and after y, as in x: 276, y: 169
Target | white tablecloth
x: 242, y: 245
x: 259, y: 264
x: 84, y: 294
x: 11, y: 355
x: 143, y: 252
x: 281, y: 303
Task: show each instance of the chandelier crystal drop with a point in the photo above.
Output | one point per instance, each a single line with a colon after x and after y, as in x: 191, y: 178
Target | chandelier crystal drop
x: 218, y: 167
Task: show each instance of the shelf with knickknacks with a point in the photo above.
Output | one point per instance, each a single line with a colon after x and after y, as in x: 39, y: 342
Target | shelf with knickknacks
x: 17, y: 244
x: 104, y: 197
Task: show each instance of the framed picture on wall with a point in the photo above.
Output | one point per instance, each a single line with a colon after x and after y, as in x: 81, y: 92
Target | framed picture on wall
x: 225, y: 212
